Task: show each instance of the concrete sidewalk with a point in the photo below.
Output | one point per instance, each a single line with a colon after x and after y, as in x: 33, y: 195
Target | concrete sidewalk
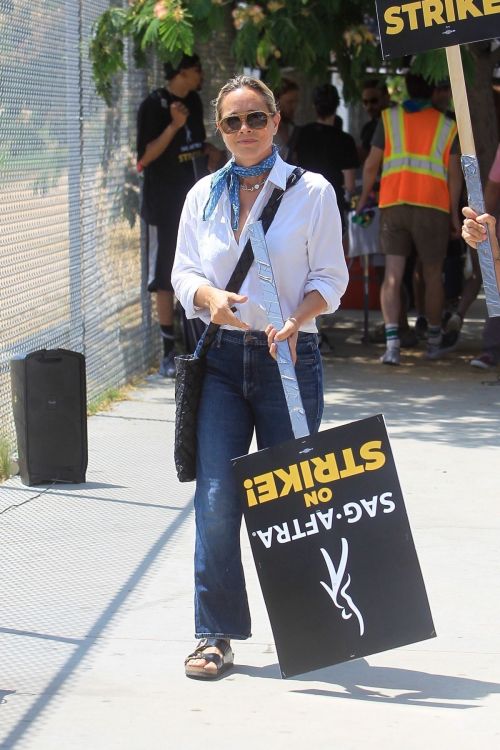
x: 96, y: 591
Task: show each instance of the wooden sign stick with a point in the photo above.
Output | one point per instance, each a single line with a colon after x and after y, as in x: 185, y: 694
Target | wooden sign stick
x: 490, y: 264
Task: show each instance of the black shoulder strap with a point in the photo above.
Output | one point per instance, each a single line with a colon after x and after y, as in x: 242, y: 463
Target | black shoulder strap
x: 246, y: 257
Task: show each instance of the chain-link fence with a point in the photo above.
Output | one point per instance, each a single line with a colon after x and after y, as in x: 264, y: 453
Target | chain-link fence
x: 71, y: 269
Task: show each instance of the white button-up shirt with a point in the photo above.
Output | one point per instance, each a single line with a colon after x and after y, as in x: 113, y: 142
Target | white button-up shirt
x: 304, y: 243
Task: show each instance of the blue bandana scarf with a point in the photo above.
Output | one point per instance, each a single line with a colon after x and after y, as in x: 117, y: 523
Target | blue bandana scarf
x: 231, y: 172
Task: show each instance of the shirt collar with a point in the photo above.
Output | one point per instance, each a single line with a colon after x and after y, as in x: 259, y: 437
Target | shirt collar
x: 278, y: 174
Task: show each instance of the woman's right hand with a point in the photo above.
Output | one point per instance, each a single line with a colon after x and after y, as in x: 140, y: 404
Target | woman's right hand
x: 222, y: 308
x: 289, y: 331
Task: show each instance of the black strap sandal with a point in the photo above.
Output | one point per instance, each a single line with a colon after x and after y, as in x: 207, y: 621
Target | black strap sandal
x: 222, y: 663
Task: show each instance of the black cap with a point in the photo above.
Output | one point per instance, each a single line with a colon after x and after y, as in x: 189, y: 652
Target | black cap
x: 186, y: 61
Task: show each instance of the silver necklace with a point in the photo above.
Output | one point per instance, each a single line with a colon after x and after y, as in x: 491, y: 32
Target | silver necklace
x: 251, y: 188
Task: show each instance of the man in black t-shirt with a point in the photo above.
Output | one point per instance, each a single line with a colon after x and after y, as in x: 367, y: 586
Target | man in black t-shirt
x: 323, y: 147
x: 171, y: 151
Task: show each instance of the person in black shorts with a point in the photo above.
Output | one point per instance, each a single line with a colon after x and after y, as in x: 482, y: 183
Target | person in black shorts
x: 171, y: 153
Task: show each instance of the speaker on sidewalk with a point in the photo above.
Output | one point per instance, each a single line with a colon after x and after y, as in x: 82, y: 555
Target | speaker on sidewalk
x: 50, y: 414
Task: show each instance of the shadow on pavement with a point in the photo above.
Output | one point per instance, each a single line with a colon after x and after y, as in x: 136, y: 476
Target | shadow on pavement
x: 361, y: 681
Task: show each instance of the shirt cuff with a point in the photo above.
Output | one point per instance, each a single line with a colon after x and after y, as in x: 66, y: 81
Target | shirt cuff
x: 192, y: 310
x: 331, y: 296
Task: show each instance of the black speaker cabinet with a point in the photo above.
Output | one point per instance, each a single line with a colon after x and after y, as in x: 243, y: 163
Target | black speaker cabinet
x: 50, y: 415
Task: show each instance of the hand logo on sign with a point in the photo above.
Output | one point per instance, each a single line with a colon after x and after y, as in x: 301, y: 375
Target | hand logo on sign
x: 336, y: 577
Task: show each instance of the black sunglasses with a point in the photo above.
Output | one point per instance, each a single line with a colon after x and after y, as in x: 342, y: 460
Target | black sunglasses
x: 371, y: 101
x: 255, y: 121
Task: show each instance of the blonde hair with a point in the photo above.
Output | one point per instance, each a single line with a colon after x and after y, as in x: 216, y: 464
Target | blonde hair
x: 241, y: 82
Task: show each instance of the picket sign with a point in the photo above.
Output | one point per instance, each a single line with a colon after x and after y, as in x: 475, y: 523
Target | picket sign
x: 329, y: 531
x: 420, y: 26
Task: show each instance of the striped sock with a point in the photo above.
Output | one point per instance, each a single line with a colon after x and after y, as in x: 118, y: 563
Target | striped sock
x: 392, y: 336
x: 434, y: 335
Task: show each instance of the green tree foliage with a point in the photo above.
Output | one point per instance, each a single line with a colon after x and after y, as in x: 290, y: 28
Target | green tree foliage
x: 303, y: 34
x: 308, y: 35
x: 166, y: 27
x: 106, y: 50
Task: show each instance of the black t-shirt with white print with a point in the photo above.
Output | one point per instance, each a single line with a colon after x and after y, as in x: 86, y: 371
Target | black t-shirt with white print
x: 169, y: 177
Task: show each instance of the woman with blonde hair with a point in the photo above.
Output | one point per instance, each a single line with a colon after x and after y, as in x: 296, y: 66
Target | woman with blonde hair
x: 242, y: 390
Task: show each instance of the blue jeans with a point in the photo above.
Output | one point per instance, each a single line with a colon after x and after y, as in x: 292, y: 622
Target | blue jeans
x: 242, y: 391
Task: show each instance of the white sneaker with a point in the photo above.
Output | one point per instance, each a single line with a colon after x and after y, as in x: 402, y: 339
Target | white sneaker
x: 484, y: 361
x: 391, y: 356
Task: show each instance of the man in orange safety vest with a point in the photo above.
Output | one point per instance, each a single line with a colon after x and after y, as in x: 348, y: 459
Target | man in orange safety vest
x: 417, y: 147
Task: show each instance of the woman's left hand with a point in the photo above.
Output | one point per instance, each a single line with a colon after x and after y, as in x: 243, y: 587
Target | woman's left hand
x: 289, y: 331
x: 474, y: 227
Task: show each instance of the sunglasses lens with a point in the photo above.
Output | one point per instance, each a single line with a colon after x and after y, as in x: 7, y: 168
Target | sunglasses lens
x: 231, y: 124
x: 257, y: 120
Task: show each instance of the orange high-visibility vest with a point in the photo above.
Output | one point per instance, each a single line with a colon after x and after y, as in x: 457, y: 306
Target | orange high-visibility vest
x: 416, y: 157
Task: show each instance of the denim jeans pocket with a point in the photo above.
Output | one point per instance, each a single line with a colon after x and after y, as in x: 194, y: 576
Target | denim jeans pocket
x: 309, y: 372
x: 307, y: 350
